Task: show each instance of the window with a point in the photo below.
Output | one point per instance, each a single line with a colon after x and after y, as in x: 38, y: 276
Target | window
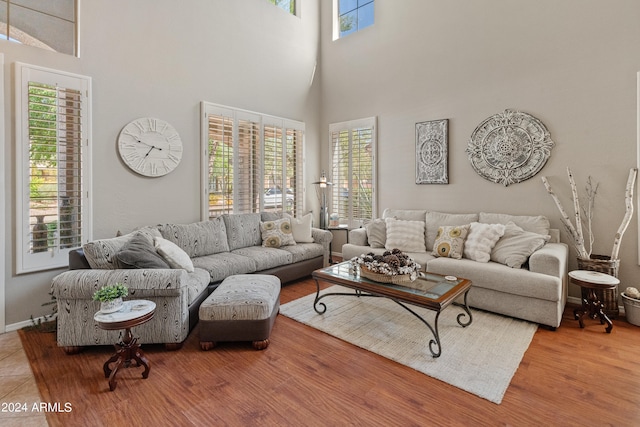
x: 288, y: 5
x: 352, y: 16
x: 253, y: 162
x: 353, y: 170
x: 47, y: 24
x: 53, y: 166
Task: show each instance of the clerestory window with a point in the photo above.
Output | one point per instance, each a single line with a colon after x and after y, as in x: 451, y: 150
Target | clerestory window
x: 50, y: 24
x: 288, y: 5
x: 352, y: 16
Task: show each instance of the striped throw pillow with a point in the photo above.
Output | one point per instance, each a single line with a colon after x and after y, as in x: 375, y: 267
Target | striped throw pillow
x: 408, y: 236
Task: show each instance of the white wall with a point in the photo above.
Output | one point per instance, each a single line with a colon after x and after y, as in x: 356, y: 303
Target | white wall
x: 161, y: 58
x: 570, y: 63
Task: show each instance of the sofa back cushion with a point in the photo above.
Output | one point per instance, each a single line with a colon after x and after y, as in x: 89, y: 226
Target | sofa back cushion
x: 405, y: 214
x: 535, y: 224
x: 435, y: 220
x: 243, y: 230
x: 102, y: 254
x: 199, y: 238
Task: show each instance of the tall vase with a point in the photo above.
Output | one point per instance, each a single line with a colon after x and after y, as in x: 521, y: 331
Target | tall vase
x: 608, y: 297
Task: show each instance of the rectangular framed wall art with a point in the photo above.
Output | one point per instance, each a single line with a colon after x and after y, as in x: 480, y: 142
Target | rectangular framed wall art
x: 432, y: 152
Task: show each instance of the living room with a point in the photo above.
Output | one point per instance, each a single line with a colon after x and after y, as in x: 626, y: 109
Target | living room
x: 571, y: 64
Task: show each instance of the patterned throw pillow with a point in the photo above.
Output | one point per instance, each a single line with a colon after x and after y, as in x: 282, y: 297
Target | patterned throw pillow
x: 450, y: 241
x: 277, y: 233
x: 481, y: 240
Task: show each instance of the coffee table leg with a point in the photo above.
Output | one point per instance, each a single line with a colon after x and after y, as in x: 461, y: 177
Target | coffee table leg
x: 467, y: 313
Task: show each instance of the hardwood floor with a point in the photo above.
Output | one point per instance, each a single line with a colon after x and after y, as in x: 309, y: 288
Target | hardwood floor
x: 570, y: 377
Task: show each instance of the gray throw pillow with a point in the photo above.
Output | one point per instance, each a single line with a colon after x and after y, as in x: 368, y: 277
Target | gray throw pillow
x: 516, y: 246
x: 139, y: 252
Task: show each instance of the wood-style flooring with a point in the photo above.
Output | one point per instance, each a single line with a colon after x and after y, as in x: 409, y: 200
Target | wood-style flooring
x: 568, y: 377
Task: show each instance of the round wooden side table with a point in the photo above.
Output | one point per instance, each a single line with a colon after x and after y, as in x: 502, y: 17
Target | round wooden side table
x: 591, y: 305
x: 133, y: 313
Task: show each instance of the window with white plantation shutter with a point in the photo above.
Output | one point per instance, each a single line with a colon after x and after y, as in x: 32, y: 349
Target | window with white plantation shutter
x: 353, y: 148
x: 53, y: 128
x: 254, y: 162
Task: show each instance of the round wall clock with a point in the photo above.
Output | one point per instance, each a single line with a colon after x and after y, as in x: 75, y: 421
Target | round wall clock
x: 150, y: 147
x: 509, y: 147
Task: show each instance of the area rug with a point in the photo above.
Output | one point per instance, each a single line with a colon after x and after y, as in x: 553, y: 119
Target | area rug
x: 481, y: 358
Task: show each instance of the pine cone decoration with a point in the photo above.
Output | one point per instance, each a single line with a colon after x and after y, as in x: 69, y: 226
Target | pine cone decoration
x: 396, y: 251
x: 392, y: 260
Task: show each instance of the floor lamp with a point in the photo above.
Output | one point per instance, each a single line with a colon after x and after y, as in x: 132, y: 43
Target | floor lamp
x: 324, y: 215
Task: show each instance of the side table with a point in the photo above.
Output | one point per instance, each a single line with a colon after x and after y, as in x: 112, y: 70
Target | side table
x: 591, y: 305
x: 337, y: 228
x: 133, y: 313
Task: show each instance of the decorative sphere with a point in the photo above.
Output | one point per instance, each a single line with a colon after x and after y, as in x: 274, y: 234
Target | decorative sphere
x: 632, y: 293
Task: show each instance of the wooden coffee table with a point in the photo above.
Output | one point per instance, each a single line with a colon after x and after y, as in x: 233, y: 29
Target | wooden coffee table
x: 134, y: 313
x: 431, y: 291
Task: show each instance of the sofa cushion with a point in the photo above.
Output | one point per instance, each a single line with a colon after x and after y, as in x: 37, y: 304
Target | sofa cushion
x: 535, y: 224
x: 139, y: 252
x: 450, y: 241
x: 197, y: 281
x: 265, y: 258
x: 408, y: 236
x: 243, y: 230
x: 102, y: 254
x: 277, y: 233
x: 405, y: 214
x: 436, y: 219
x: 225, y: 264
x: 376, y: 233
x: 481, y: 240
x: 199, y: 238
x: 516, y: 246
x: 173, y: 254
x: 304, y: 251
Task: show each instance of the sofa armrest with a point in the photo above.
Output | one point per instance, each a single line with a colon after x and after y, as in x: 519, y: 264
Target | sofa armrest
x: 358, y: 237
x: 551, y: 259
x: 81, y: 284
x: 323, y: 237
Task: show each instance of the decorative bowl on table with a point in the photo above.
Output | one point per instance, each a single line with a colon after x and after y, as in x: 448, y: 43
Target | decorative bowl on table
x: 392, y: 266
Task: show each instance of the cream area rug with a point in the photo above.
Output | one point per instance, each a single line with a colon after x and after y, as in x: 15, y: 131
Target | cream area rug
x: 481, y: 358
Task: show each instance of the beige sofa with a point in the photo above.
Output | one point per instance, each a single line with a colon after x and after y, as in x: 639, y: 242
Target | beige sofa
x: 535, y: 291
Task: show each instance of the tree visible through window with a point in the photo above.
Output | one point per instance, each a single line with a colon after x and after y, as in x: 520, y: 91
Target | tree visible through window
x: 354, y: 15
x: 53, y: 164
x: 288, y: 5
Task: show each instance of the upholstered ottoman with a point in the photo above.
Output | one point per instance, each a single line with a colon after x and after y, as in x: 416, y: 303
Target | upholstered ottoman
x: 242, y: 308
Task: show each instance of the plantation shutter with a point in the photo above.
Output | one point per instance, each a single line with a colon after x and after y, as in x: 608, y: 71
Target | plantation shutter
x: 353, y: 171
x: 54, y: 190
x: 248, y: 155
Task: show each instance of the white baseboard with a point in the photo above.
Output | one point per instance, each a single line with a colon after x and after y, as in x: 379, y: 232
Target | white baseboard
x: 15, y: 326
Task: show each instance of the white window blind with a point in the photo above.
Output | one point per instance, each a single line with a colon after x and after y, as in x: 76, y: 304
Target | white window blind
x: 254, y: 162
x: 353, y: 194
x: 53, y: 162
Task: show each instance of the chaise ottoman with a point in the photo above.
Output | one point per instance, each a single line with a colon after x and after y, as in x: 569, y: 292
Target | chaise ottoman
x: 242, y: 308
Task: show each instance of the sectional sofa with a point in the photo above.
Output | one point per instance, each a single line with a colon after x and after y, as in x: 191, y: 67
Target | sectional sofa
x: 176, y: 266
x: 523, y: 275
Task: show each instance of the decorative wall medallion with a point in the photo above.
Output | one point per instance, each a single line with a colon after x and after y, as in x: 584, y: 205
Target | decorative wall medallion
x: 432, y: 152
x: 509, y: 147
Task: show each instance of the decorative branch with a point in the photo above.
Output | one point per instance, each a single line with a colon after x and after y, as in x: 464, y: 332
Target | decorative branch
x: 576, y: 210
x: 591, y: 192
x: 577, y: 239
x: 628, y: 199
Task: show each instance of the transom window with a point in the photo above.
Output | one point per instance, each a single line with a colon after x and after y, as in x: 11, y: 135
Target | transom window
x: 49, y: 24
x: 352, y: 16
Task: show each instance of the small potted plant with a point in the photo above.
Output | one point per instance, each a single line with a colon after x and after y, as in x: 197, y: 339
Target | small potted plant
x: 110, y: 297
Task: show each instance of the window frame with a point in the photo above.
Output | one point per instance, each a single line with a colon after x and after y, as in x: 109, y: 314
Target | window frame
x: 350, y: 127
x: 27, y: 261
x: 295, y: 3
x: 263, y: 121
x: 337, y: 21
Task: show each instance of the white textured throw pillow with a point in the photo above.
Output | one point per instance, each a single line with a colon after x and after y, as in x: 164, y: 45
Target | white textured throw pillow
x: 173, y: 254
x: 408, y: 236
x: 481, y: 240
x: 301, y: 228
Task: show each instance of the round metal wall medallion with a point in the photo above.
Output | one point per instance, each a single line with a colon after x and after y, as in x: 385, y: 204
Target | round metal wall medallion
x: 509, y: 147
